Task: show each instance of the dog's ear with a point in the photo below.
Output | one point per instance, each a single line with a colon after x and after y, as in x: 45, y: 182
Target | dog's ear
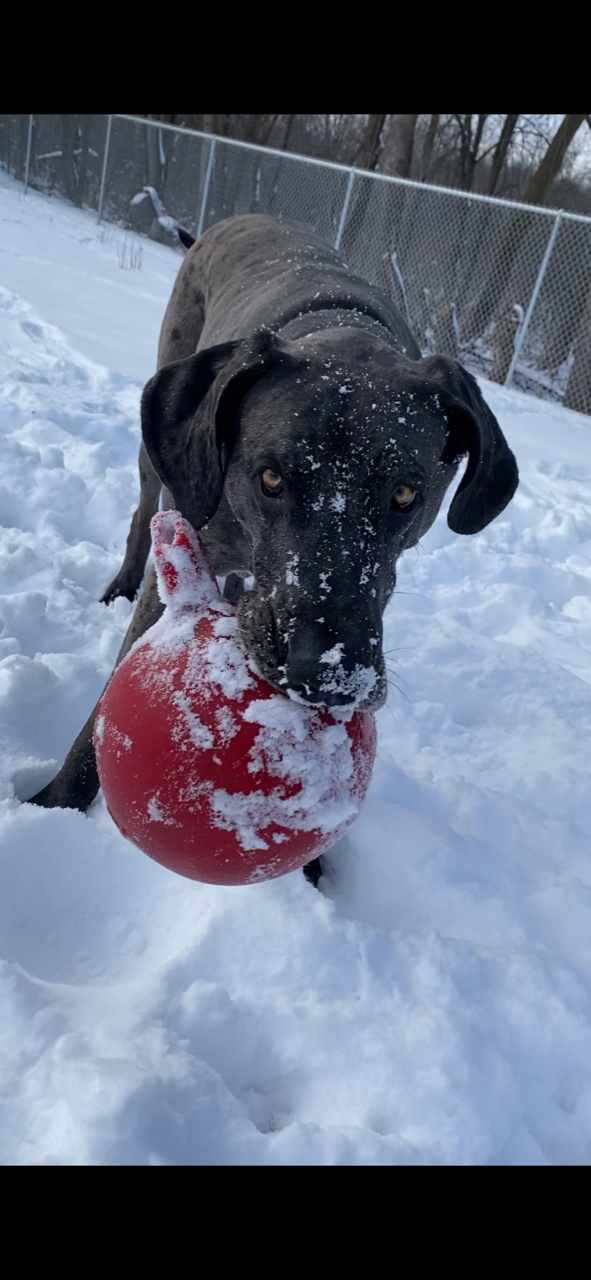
x: 189, y: 411
x: 491, y: 476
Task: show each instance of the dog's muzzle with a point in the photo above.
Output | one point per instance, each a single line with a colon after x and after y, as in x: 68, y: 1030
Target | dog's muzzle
x: 310, y: 663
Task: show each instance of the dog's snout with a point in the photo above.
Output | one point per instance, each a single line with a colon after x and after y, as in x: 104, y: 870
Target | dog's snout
x: 307, y: 685
x: 319, y: 661
x: 332, y: 675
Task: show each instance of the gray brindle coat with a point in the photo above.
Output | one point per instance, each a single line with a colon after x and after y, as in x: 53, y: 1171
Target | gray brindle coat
x: 293, y: 421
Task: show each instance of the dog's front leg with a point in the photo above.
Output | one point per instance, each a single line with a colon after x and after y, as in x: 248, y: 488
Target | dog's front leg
x: 233, y: 588
x: 128, y: 581
x: 313, y: 871
x: 76, y: 784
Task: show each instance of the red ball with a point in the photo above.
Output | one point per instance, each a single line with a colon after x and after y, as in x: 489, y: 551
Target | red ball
x: 203, y: 764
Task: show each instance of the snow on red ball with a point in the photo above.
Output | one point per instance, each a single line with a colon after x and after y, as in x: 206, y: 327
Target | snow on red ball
x: 203, y: 764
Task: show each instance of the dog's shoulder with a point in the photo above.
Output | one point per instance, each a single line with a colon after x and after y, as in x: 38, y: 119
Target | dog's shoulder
x: 254, y: 271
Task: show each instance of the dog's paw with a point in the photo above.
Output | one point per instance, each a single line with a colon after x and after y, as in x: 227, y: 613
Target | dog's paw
x: 120, y: 587
x: 313, y: 871
x: 50, y: 798
x: 233, y: 588
x: 77, y: 783
x: 60, y: 794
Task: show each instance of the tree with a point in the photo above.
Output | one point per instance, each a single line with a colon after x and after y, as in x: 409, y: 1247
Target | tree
x: 368, y: 150
x: 471, y: 130
x: 578, y: 392
x: 397, y: 153
x: 500, y: 152
x: 551, y: 162
x: 428, y: 146
x: 68, y: 123
x: 258, y: 129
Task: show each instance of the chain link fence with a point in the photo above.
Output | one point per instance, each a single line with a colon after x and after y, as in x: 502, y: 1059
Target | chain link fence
x: 504, y: 287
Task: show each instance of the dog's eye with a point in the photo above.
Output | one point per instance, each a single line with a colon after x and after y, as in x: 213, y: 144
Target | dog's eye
x: 271, y: 483
x: 403, y: 497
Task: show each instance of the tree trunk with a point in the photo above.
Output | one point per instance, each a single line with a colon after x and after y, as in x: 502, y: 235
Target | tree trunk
x: 397, y: 153
x: 472, y: 157
x: 82, y: 161
x: 496, y: 290
x: 20, y: 152
x: 444, y: 334
x: 464, y: 124
x: 506, y: 322
x: 551, y: 164
x: 578, y: 391
x: 68, y: 174
x: 252, y: 128
x: 469, y: 147
x: 428, y: 147
x: 367, y: 154
x: 500, y: 153
x: 288, y: 129
x: 154, y: 168
x: 266, y: 130
x: 221, y: 125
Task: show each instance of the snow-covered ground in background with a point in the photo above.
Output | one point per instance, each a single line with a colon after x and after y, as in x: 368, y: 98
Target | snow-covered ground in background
x: 432, y: 1005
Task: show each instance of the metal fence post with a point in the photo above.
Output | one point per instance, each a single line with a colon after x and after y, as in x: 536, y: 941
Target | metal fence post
x: 337, y: 243
x: 534, y: 298
x: 28, y: 160
x: 206, y: 187
x: 104, y: 173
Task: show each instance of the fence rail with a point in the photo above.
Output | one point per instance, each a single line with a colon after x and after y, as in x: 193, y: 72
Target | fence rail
x: 504, y: 287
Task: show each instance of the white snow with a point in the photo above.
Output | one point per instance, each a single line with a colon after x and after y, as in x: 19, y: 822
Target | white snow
x: 291, y: 570
x: 228, y: 666
x: 333, y: 657
x: 297, y: 746
x: 432, y: 1005
x: 197, y: 732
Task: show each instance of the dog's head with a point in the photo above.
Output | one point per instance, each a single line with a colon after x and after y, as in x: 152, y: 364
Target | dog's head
x: 334, y: 454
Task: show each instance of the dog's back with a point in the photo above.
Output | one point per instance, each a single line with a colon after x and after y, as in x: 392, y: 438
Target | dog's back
x: 252, y: 271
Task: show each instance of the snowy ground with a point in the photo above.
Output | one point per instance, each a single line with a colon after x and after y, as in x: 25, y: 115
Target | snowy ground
x: 433, y: 1004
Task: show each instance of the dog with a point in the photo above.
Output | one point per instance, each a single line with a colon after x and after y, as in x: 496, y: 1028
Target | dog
x: 293, y: 421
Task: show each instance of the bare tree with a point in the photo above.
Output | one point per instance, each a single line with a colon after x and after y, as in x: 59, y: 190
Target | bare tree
x: 67, y: 159
x: 500, y: 152
x: 397, y: 153
x: 471, y: 129
x: 428, y: 147
x: 288, y: 129
x: 552, y: 161
x: 155, y: 156
x: 578, y: 391
x: 496, y: 154
x: 368, y: 150
x: 257, y: 129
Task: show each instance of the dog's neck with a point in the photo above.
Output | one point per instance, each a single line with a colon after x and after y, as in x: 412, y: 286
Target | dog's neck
x: 309, y: 322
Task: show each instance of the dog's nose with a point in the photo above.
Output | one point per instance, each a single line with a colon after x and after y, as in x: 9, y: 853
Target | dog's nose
x: 316, y: 696
x: 326, y: 676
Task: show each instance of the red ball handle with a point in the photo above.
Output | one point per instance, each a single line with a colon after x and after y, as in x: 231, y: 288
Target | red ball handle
x: 186, y: 581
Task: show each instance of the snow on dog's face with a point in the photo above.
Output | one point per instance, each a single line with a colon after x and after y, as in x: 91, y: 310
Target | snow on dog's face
x: 332, y: 455
x: 337, y: 469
